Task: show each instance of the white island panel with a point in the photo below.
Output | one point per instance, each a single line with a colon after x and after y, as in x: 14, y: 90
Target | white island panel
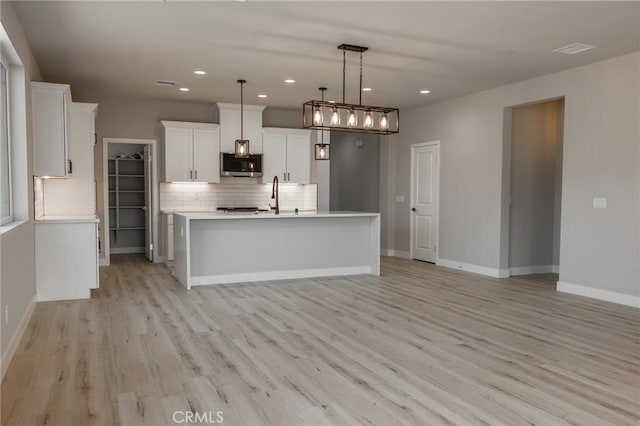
x: 216, y: 249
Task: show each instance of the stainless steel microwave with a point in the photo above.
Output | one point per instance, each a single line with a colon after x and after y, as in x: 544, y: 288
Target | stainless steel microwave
x: 246, y: 166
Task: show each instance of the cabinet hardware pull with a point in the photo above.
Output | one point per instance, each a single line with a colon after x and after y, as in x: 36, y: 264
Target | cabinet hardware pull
x: 196, y: 175
x: 70, y: 166
x: 191, y: 174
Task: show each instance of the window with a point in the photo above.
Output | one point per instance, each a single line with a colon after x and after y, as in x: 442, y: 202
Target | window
x: 5, y: 148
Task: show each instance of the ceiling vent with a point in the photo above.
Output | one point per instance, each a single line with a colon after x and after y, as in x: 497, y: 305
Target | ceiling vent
x: 167, y: 83
x: 574, y: 48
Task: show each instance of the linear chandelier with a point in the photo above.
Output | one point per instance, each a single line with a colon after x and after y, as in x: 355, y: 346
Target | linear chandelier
x: 328, y: 115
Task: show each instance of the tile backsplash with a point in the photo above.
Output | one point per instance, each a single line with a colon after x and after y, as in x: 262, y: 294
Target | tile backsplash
x: 38, y: 197
x: 235, y: 192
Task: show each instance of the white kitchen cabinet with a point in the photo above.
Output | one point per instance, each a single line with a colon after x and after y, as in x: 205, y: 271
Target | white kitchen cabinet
x: 287, y: 154
x: 76, y: 194
x: 167, y: 227
x: 230, y: 126
x: 66, y: 258
x: 191, y: 152
x: 50, y: 108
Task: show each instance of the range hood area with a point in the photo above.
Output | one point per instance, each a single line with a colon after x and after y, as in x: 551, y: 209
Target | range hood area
x: 230, y: 126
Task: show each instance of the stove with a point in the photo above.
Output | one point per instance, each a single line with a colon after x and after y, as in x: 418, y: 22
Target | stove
x: 241, y: 209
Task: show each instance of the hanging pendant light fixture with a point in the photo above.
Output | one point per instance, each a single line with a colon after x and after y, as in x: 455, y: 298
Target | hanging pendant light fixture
x: 322, y: 149
x: 357, y: 117
x: 242, y: 144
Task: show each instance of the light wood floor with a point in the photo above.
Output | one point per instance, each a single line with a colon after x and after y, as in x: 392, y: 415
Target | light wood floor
x: 418, y: 345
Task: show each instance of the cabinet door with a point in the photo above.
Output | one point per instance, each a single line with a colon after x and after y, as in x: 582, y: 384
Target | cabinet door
x: 206, y: 155
x: 50, y: 115
x: 298, y: 158
x: 81, y: 141
x: 230, y: 131
x: 274, y: 158
x: 253, y: 131
x: 178, y: 154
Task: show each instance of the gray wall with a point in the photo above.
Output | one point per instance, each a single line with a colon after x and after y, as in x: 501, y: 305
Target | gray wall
x: 599, y: 248
x: 17, y: 246
x: 535, y: 147
x: 355, y: 172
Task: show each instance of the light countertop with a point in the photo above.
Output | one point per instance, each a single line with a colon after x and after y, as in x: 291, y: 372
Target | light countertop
x: 271, y: 215
x: 68, y: 219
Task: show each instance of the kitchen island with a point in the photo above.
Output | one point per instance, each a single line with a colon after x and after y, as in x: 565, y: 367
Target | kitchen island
x: 219, y: 248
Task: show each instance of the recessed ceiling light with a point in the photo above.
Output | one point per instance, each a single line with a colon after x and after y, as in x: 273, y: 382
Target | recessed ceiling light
x: 424, y: 92
x: 289, y: 81
x: 332, y: 102
x: 574, y: 48
x: 262, y: 95
x: 184, y: 89
x: 199, y: 72
x: 366, y: 89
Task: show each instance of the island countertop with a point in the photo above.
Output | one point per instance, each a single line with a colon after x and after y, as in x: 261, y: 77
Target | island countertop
x: 223, y: 248
x: 271, y: 215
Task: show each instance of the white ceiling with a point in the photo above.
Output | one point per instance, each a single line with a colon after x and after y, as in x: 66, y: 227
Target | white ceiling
x: 113, y: 49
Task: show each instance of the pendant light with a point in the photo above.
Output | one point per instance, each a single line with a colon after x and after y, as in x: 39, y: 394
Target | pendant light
x: 242, y: 144
x: 350, y: 117
x: 322, y: 149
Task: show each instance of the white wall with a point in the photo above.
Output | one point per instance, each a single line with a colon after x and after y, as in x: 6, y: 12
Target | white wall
x: 17, y: 264
x: 599, y: 247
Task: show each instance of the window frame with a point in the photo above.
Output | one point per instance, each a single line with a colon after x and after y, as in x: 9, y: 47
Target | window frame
x: 8, y: 219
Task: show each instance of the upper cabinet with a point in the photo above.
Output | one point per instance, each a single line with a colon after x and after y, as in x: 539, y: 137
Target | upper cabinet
x: 191, y: 152
x: 287, y: 154
x: 51, y: 104
x: 230, y: 126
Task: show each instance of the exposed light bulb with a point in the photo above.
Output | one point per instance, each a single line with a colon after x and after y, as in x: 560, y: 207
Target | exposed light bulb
x: 242, y: 149
x: 317, y: 116
x: 384, y: 121
x: 335, y: 117
x: 352, y: 120
x: 368, y: 120
x: 322, y: 151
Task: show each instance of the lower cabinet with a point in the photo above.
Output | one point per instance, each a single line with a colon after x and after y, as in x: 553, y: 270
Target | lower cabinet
x: 66, y: 259
x: 167, y: 228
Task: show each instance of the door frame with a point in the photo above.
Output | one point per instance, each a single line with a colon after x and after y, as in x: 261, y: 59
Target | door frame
x: 411, y: 200
x: 155, y: 207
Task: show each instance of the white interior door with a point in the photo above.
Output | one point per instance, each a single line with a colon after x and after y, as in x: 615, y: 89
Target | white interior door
x: 424, y: 202
x: 148, y: 232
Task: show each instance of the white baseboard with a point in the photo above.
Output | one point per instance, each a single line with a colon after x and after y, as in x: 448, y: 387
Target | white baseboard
x: 127, y: 250
x: 278, y: 275
x: 103, y: 261
x: 596, y: 293
x: 528, y: 270
x: 17, y: 337
x: 476, y: 269
x: 395, y: 253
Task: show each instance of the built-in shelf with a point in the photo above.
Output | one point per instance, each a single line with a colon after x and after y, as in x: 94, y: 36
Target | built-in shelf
x: 126, y: 194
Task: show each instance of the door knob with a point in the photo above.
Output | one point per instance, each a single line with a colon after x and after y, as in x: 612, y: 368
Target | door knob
x: 413, y: 209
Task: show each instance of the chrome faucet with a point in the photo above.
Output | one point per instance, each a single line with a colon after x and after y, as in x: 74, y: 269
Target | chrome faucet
x: 274, y: 194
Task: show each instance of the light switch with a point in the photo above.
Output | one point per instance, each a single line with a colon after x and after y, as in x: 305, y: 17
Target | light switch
x: 599, y: 203
x: 399, y: 198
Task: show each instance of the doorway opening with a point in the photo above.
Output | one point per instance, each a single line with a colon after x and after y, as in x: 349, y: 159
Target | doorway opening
x: 535, y: 142
x: 129, y: 176
x: 425, y: 200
